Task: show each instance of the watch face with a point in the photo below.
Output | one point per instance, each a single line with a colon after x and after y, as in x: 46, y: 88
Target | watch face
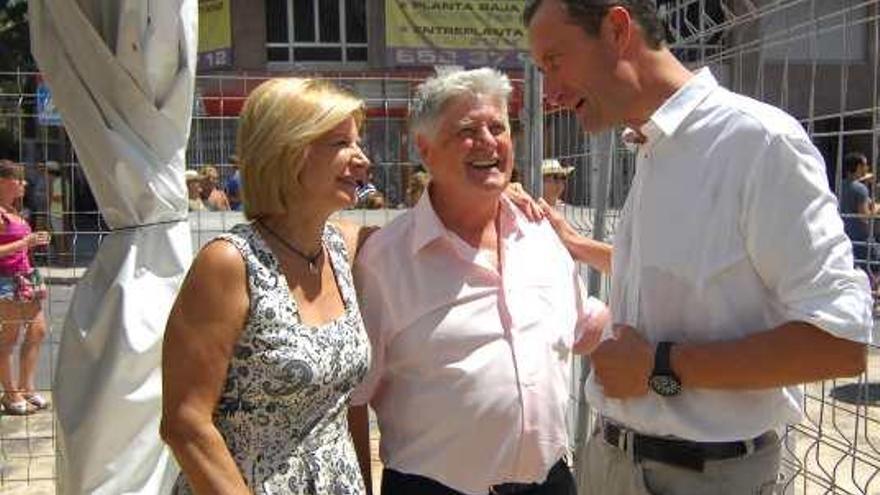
x: 665, y: 385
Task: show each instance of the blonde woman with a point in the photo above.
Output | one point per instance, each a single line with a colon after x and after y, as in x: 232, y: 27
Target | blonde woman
x: 265, y: 341
x: 213, y: 197
x: 417, y: 184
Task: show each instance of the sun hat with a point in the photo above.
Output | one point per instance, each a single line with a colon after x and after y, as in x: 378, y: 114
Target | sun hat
x: 551, y: 166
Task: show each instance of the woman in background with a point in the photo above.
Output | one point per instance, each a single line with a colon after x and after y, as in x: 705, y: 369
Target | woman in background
x: 418, y: 182
x: 213, y: 197
x: 21, y: 294
x: 555, y: 177
x: 194, y: 191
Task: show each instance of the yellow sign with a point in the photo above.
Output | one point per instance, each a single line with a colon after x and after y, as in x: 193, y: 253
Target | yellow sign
x: 468, y: 33
x: 215, y: 34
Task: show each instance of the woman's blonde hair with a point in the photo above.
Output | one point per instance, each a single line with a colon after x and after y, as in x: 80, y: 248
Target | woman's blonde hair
x: 209, y: 171
x: 280, y: 119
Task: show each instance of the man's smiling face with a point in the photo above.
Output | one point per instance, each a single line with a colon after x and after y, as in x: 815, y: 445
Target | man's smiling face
x: 471, y: 147
x: 578, y: 68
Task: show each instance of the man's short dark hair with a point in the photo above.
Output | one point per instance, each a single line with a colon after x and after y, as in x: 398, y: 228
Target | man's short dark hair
x: 588, y: 14
x: 852, y: 160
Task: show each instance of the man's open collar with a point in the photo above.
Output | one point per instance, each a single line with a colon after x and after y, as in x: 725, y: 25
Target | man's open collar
x: 427, y: 226
x: 669, y: 117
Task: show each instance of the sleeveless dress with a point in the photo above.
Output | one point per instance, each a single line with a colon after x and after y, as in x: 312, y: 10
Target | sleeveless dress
x: 283, y: 408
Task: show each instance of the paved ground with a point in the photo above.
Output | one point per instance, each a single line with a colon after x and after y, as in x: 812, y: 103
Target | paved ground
x: 27, y: 443
x: 28, y: 454
x: 836, y: 448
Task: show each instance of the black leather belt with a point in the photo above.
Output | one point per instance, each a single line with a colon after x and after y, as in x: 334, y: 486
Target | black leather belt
x: 681, y: 453
x: 513, y: 488
x: 413, y: 484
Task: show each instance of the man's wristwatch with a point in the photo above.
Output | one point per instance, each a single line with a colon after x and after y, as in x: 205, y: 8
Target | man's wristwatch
x: 663, y: 380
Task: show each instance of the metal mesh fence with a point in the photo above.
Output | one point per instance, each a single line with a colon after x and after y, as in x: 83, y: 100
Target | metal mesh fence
x: 817, y: 59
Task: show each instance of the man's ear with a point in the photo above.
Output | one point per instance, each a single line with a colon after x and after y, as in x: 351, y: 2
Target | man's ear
x: 423, y: 147
x: 617, y: 29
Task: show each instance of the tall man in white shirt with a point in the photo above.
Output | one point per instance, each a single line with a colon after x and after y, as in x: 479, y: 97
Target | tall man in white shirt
x: 473, y: 313
x: 732, y: 278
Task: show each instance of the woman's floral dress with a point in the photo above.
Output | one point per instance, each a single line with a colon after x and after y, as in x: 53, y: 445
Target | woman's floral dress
x: 283, y: 409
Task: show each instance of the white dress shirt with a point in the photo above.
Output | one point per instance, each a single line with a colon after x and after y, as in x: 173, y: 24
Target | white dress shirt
x: 470, y: 371
x: 729, y: 229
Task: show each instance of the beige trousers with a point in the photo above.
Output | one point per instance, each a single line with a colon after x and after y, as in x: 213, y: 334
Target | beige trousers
x: 606, y: 470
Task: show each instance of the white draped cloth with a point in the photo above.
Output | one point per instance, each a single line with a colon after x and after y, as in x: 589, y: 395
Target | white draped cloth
x: 122, y: 74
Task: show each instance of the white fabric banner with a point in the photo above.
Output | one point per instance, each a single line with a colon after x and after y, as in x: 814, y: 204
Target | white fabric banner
x: 122, y: 74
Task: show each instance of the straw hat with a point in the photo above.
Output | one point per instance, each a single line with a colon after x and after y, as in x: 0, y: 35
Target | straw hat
x: 191, y: 175
x: 551, y: 166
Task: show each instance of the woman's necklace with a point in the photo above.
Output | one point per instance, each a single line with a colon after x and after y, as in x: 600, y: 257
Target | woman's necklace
x: 311, y: 259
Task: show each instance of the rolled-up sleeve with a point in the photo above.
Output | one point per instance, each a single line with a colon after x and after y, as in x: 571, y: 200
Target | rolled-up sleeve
x: 795, y: 238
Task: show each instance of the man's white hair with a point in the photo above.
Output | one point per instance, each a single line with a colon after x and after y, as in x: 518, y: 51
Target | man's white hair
x: 433, y: 94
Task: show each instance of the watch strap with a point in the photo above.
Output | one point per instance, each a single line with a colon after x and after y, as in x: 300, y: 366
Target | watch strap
x: 662, y: 365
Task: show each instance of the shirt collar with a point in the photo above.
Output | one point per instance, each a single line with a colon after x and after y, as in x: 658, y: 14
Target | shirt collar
x: 428, y: 227
x: 667, y: 119
x: 426, y: 224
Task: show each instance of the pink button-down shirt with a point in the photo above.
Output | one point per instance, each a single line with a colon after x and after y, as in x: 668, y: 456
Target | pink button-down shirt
x: 470, y: 369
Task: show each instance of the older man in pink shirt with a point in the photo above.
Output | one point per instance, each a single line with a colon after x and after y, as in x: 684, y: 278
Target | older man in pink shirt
x: 473, y: 312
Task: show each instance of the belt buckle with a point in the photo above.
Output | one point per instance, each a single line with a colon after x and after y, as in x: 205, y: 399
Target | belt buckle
x: 624, y: 435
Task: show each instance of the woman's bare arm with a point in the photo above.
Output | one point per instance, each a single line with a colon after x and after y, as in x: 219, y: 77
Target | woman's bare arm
x: 205, y: 323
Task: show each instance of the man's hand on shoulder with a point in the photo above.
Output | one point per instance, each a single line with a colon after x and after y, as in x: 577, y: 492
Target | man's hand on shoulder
x: 623, y: 363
